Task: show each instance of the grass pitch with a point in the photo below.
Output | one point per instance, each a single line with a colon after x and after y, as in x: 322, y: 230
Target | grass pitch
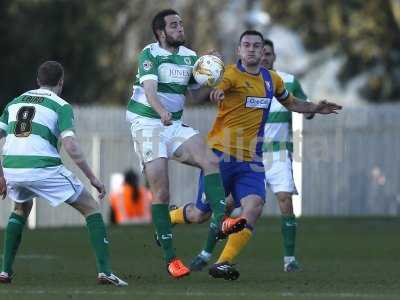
x: 342, y: 258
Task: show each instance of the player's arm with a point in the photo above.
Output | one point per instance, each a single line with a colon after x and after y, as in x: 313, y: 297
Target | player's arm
x: 218, y: 93
x: 148, y: 78
x: 150, y: 90
x: 3, y: 133
x: 298, y: 92
x: 292, y: 103
x: 71, y: 145
x: 3, y: 186
x: 322, y: 107
x: 73, y: 149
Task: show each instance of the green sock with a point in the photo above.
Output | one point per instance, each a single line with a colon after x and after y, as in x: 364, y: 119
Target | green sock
x: 12, y: 240
x: 288, y: 228
x: 211, y: 240
x: 162, y: 223
x: 98, y: 238
x: 215, y: 195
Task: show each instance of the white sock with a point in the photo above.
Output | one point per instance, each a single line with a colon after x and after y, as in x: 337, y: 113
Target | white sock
x: 288, y: 259
x: 205, y: 255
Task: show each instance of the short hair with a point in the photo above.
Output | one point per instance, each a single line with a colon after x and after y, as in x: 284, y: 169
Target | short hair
x: 251, y: 32
x: 158, y: 22
x: 50, y: 73
x: 268, y: 42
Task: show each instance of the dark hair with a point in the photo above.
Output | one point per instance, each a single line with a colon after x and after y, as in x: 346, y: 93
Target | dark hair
x: 50, y: 73
x: 158, y: 22
x: 268, y: 42
x: 251, y: 32
x: 132, y: 179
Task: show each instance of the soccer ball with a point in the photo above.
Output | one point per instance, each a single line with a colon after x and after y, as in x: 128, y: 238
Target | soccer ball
x: 208, y: 70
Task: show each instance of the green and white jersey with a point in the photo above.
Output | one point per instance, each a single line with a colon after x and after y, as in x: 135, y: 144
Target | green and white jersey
x: 278, y: 129
x: 34, y: 122
x: 172, y: 71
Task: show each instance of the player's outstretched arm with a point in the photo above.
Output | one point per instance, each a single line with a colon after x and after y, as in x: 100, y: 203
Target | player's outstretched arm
x: 3, y: 186
x: 322, y: 107
x: 73, y: 149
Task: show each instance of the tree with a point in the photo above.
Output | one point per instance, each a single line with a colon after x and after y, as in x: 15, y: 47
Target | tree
x: 365, y: 32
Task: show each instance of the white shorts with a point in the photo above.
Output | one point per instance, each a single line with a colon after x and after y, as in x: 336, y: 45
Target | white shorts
x: 63, y: 187
x: 153, y: 140
x: 279, y: 171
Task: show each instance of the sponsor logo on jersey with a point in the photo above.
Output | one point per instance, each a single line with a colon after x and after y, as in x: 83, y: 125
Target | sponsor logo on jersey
x: 179, y: 73
x: 187, y: 61
x: 171, y: 73
x: 257, y: 102
x: 147, y: 65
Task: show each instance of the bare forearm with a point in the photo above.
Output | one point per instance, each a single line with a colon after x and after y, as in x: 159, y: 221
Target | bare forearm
x: 74, y: 151
x: 150, y: 90
x: 154, y: 102
x: 322, y: 107
x: 299, y: 106
x: 2, y: 135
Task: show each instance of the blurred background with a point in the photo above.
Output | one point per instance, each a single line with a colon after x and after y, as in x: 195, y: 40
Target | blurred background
x: 345, y: 51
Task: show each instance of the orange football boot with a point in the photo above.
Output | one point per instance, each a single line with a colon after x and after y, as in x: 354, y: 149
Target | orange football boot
x: 232, y: 225
x: 177, y: 269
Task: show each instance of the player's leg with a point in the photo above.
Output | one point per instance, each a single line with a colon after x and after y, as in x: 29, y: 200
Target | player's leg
x: 248, y: 189
x: 194, y: 151
x: 89, y: 208
x: 188, y: 214
x: 156, y: 172
x: 151, y: 140
x: 252, y: 206
x: 280, y: 179
x: 288, y: 229
x: 202, y: 259
x: 203, y: 206
x: 64, y: 187
x: 198, y: 212
x: 13, y: 236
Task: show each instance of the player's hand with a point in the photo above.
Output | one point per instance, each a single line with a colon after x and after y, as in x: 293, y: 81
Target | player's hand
x: 217, y: 95
x: 99, y: 186
x: 3, y: 187
x: 324, y: 107
x: 213, y: 52
x: 166, y: 117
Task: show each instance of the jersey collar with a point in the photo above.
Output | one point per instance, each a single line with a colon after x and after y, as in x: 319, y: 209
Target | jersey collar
x: 166, y: 51
x: 242, y: 69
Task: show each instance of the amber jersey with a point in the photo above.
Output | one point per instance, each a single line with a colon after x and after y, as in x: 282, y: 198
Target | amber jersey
x: 238, y: 129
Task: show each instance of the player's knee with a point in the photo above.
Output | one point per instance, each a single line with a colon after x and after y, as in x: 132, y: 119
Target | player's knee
x: 23, y: 209
x: 200, y: 217
x: 210, y: 163
x: 285, y: 203
x: 161, y: 196
x: 92, y: 208
x: 252, y: 209
x: 258, y: 208
x: 85, y: 204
